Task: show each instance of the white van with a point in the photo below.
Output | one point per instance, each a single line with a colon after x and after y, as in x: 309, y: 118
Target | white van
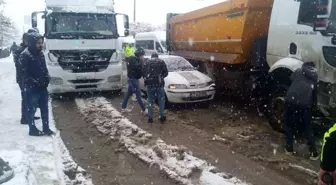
x: 152, y: 41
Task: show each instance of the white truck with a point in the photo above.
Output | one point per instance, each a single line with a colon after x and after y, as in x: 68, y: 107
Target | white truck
x: 81, y: 44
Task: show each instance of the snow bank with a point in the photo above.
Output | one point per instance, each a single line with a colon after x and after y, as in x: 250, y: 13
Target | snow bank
x: 178, y: 164
x: 35, y: 160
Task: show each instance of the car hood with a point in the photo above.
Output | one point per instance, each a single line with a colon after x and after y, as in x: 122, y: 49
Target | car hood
x: 187, y: 78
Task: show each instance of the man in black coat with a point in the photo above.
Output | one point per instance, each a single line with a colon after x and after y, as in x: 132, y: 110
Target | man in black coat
x: 300, y: 99
x: 134, y: 73
x: 13, y: 48
x: 154, y: 72
x: 16, y: 55
x: 35, y: 77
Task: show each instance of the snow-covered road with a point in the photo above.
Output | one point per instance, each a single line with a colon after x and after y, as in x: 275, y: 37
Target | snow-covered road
x: 35, y: 160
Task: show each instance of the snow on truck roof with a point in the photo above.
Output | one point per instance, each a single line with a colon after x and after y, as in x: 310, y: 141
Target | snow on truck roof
x: 81, y: 6
x: 161, y: 35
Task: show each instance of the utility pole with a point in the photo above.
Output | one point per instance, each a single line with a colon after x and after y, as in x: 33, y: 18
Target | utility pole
x: 134, y: 11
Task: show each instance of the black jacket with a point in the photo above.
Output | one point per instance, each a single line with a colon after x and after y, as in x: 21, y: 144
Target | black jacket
x: 13, y: 48
x: 154, y: 72
x: 17, y: 64
x: 134, y: 67
x: 33, y: 65
x: 303, y: 90
x: 328, y: 162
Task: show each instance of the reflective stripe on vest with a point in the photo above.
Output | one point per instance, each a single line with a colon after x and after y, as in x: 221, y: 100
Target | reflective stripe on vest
x: 325, y: 137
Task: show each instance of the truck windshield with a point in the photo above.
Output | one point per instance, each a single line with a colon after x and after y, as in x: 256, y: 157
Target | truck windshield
x: 69, y: 25
x: 332, y: 28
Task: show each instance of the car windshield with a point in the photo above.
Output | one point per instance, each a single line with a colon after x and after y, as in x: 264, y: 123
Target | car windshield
x: 175, y: 64
x: 101, y: 24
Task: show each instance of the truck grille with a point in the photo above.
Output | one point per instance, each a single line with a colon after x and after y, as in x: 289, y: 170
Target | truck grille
x: 81, y: 61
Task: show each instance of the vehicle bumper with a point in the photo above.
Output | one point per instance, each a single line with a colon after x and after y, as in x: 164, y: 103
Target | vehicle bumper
x: 184, y: 95
x: 64, y: 81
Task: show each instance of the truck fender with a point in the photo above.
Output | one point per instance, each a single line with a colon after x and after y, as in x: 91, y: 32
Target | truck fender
x: 288, y: 63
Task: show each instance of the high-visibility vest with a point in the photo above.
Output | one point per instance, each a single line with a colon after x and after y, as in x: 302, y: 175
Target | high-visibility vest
x: 129, y: 51
x: 326, y: 136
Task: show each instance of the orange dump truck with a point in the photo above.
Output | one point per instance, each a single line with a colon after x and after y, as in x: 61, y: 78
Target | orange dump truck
x: 251, y: 47
x: 219, y: 38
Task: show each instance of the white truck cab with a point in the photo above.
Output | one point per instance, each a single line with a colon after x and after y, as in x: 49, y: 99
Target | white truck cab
x: 81, y: 47
x: 152, y: 41
x: 302, y: 31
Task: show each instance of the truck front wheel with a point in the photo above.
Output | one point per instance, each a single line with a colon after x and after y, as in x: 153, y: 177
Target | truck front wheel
x: 276, y: 107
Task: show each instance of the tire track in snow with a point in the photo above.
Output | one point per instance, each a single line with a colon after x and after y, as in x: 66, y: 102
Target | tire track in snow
x: 174, y: 161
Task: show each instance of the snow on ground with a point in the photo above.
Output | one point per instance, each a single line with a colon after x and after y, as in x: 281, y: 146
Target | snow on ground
x: 35, y: 160
x: 174, y: 161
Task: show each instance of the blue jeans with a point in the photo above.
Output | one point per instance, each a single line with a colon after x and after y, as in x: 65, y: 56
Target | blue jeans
x: 33, y: 99
x: 152, y: 93
x: 133, y: 87
x: 295, y: 115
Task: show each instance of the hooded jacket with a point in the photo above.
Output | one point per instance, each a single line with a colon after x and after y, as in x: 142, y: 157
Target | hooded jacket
x: 303, y: 90
x: 17, y: 64
x: 33, y: 66
x: 154, y: 72
x: 134, y: 67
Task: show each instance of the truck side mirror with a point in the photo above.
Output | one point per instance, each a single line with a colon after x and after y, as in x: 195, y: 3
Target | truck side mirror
x: 126, y: 25
x: 34, y: 18
x: 123, y: 24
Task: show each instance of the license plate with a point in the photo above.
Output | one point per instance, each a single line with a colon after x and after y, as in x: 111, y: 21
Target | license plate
x: 198, y: 94
x: 82, y: 77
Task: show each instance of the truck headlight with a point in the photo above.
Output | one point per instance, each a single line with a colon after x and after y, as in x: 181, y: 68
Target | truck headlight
x: 53, y: 60
x: 115, y: 58
x: 177, y: 86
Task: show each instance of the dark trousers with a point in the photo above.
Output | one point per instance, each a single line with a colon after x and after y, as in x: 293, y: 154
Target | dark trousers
x: 295, y: 115
x: 33, y: 99
x: 133, y: 87
x: 23, y: 104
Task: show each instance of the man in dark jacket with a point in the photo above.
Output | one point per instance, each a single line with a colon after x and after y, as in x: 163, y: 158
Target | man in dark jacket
x: 154, y: 72
x: 35, y: 77
x: 134, y: 73
x: 328, y: 153
x: 13, y: 48
x: 16, y: 55
x: 300, y: 99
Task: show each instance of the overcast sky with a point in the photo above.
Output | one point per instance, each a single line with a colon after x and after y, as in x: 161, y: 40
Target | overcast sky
x: 151, y: 11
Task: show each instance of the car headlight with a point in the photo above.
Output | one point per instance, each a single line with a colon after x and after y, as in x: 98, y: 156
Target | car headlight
x: 53, y: 59
x: 210, y: 83
x: 177, y: 86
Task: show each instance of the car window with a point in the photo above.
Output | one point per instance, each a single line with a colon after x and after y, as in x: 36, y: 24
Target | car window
x: 145, y: 44
x: 178, y: 64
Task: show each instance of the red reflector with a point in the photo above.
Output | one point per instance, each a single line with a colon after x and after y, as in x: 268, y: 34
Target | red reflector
x: 322, y: 22
x: 322, y: 6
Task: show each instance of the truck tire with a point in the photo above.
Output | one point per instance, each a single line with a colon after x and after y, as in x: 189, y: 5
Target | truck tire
x: 276, y: 106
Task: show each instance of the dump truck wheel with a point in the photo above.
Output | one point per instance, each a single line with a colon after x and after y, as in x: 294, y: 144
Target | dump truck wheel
x: 276, y: 107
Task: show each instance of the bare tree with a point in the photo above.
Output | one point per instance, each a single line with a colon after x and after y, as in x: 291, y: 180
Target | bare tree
x: 7, y: 28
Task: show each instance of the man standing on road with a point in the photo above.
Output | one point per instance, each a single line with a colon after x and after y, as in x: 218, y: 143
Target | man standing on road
x: 154, y: 72
x: 13, y: 48
x: 16, y: 55
x: 328, y: 153
x: 36, y: 79
x: 301, y: 98
x: 134, y: 73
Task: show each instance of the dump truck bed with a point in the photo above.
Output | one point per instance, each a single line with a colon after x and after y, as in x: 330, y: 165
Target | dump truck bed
x: 222, y: 32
